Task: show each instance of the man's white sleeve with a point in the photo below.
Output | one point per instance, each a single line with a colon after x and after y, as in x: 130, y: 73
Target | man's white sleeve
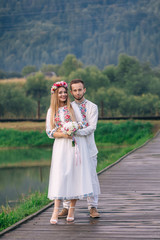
x: 92, y: 118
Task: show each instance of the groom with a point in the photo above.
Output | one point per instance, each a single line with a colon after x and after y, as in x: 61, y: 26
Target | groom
x: 87, y: 113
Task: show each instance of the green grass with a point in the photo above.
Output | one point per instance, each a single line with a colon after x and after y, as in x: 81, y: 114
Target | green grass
x: 27, y: 206
x: 125, y: 132
x: 16, y: 138
x: 109, y: 154
x: 115, y: 140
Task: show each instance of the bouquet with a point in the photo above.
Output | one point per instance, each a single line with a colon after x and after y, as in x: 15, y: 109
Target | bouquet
x: 70, y: 128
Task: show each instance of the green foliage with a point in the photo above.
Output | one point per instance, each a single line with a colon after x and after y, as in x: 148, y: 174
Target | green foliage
x: 4, y: 75
x: 27, y: 206
x: 69, y: 65
x: 14, y: 102
x: 126, y: 132
x: 114, y: 97
x: 110, y: 72
x: 15, y: 138
x: 92, y: 77
x: 108, y: 153
x: 126, y: 66
x: 95, y: 32
x: 36, y: 86
x: 28, y: 69
x: 50, y: 68
x: 154, y: 85
x: 129, y: 89
x: 146, y: 105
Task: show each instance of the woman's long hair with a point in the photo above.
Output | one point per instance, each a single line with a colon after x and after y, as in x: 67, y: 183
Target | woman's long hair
x: 54, y: 105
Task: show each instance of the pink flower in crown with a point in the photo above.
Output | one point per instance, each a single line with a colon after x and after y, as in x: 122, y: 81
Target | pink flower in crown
x: 53, y: 88
x: 58, y: 84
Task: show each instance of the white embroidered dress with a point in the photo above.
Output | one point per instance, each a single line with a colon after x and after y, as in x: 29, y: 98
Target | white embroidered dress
x: 70, y: 176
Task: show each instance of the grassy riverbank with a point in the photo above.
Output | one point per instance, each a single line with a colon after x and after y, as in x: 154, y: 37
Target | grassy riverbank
x: 128, y: 132
x: 26, y: 207
x: 16, y: 138
x: 113, y: 141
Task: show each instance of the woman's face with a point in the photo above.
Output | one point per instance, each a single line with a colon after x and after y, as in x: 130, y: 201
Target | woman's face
x: 62, y: 94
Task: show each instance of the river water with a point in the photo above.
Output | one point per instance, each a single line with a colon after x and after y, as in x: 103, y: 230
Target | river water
x: 18, y: 181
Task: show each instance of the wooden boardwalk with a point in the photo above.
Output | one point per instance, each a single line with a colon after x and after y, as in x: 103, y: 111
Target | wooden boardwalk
x: 129, y: 205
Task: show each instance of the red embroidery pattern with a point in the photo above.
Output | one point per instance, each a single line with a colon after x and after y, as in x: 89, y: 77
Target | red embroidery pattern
x: 82, y: 108
x: 67, y: 117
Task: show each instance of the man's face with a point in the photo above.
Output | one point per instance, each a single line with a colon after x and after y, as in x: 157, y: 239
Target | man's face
x: 78, y: 91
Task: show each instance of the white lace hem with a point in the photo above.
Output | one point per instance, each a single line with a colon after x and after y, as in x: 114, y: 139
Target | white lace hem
x: 70, y: 198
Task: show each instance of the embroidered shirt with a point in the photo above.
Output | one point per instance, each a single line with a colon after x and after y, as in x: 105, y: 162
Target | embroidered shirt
x: 82, y: 108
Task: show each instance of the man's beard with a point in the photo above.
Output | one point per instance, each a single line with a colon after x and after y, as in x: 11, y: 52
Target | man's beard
x: 79, y: 97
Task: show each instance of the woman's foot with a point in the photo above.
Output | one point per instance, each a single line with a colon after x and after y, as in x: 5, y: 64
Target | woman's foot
x: 70, y: 217
x: 54, y: 218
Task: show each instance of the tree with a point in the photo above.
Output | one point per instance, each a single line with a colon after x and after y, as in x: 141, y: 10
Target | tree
x: 149, y: 104
x: 100, y: 99
x: 138, y: 83
x: 114, y: 98
x: 2, y: 74
x: 69, y: 65
x: 28, y: 69
x: 154, y: 86
x: 127, y: 66
x: 36, y: 86
x: 14, y: 103
x: 92, y: 77
x: 50, y: 68
x: 130, y: 106
x: 110, y: 72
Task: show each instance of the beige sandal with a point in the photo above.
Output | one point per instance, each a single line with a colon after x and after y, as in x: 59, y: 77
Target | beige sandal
x: 70, y: 219
x: 53, y: 220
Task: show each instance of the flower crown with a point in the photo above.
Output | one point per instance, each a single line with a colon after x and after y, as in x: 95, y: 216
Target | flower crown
x: 57, y: 85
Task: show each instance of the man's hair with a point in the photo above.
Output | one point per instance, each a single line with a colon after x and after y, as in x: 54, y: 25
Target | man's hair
x: 74, y: 81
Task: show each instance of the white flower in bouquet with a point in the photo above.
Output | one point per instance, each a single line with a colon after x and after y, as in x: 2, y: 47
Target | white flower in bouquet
x: 69, y: 128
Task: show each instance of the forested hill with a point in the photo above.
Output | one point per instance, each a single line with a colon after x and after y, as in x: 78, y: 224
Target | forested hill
x: 33, y: 32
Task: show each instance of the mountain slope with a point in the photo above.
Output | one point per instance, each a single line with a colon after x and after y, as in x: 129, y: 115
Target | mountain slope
x: 33, y: 32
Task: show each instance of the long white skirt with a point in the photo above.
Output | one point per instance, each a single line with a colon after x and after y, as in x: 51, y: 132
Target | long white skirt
x: 70, y: 174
